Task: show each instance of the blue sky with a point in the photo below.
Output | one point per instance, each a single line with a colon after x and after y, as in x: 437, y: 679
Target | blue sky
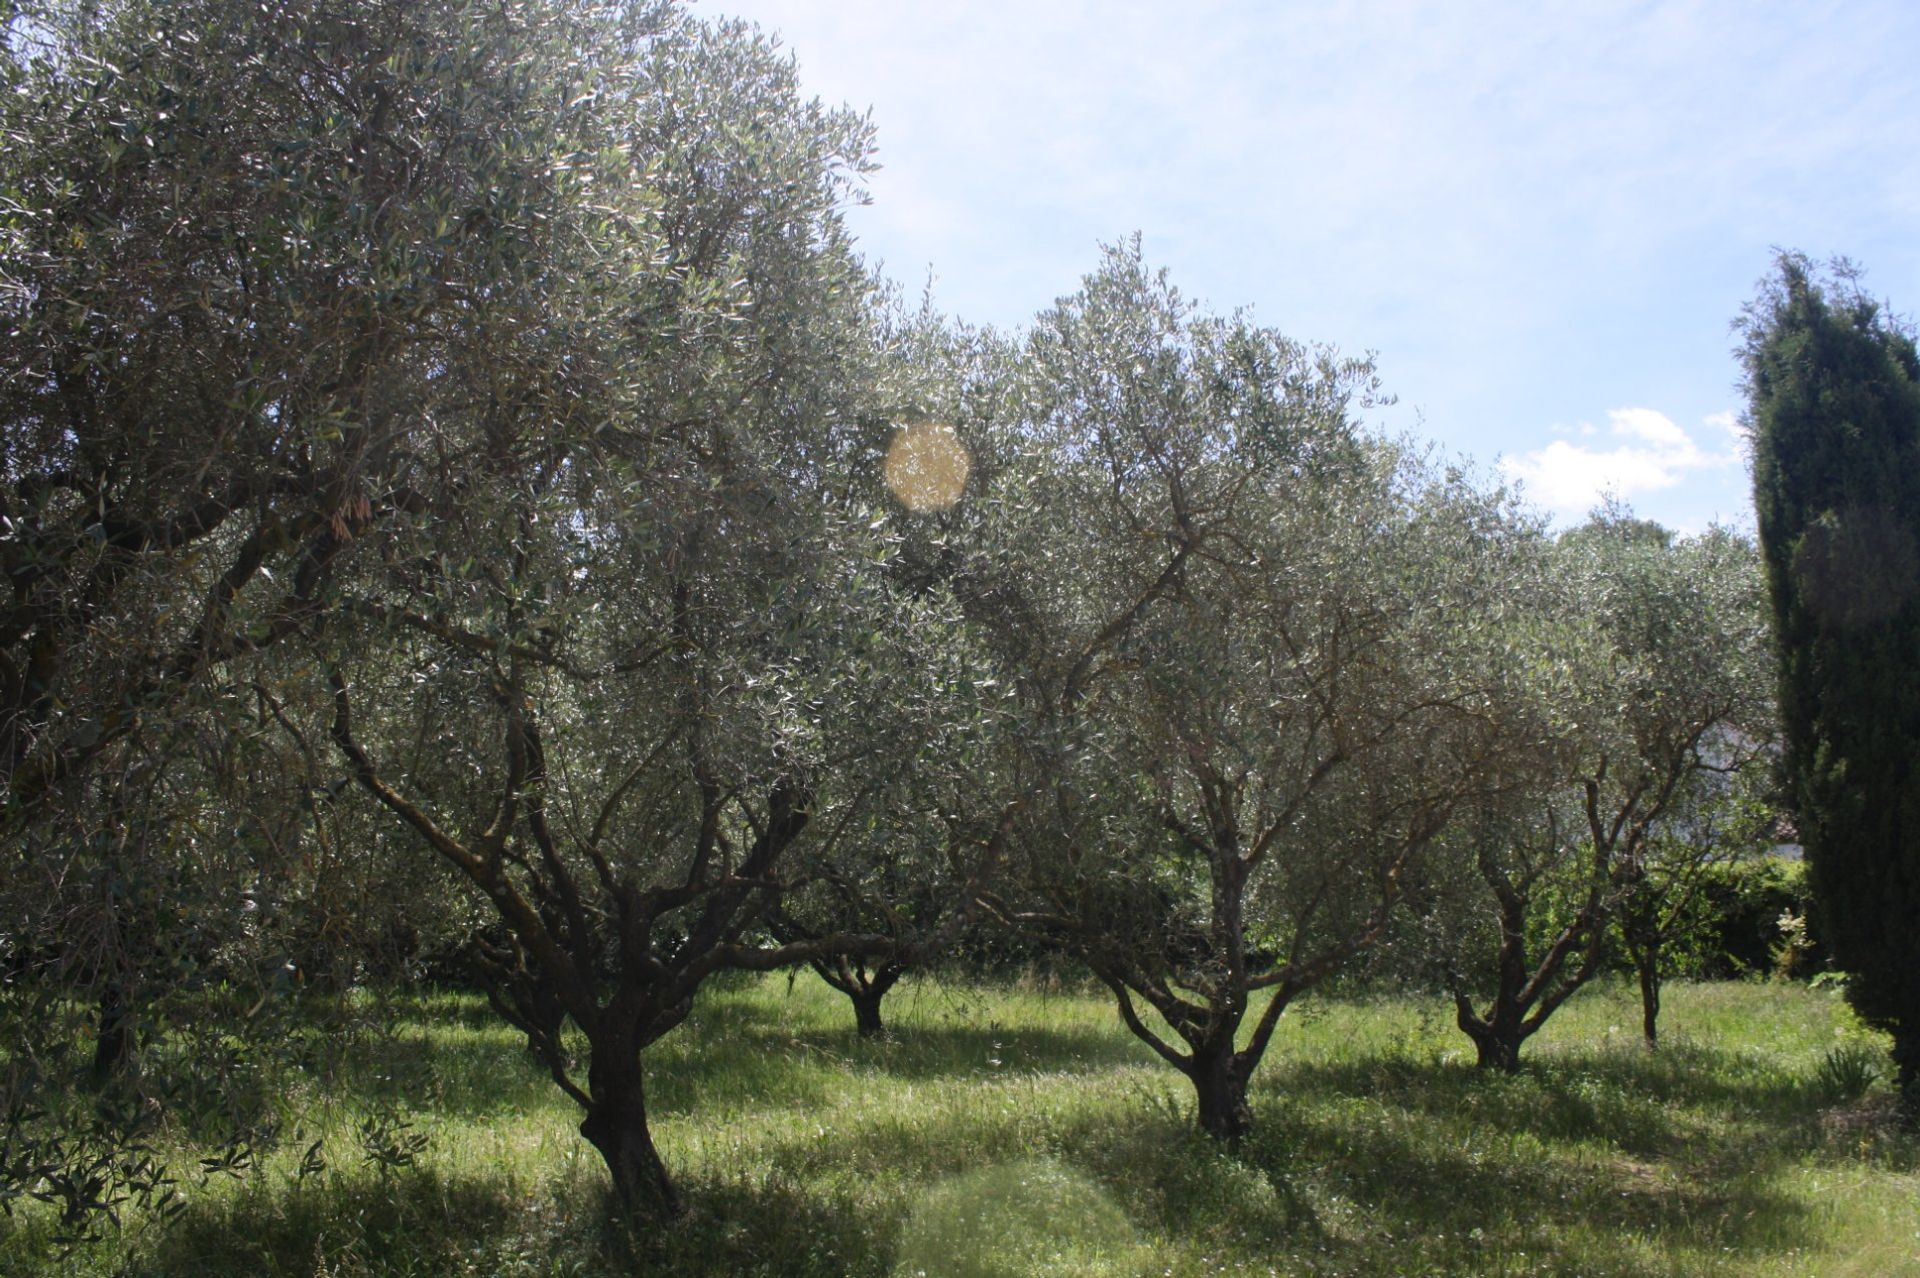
x: 1541, y: 216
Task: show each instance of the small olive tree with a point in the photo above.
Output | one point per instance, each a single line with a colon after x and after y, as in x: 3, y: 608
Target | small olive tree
x: 1636, y: 688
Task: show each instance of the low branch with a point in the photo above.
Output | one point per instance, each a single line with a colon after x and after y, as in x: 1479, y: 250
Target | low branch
x: 1180, y: 1061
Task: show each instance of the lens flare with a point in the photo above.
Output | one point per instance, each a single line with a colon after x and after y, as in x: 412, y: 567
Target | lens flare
x: 927, y: 466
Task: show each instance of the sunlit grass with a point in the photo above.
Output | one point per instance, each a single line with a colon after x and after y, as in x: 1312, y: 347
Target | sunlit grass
x: 1020, y: 1131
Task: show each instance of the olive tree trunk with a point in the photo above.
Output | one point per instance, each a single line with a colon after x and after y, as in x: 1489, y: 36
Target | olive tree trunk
x: 1219, y: 1077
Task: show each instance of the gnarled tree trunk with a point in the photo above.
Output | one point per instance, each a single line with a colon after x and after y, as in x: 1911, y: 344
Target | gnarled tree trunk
x: 616, y: 1125
x: 866, y: 1013
x: 1219, y: 1076
x: 864, y: 989
x: 1528, y: 991
x: 1496, y: 1038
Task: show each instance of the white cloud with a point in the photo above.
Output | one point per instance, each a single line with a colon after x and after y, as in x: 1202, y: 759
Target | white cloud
x: 1656, y: 430
x: 1654, y: 453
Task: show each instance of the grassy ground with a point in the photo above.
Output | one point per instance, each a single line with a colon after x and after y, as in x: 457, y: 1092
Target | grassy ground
x: 1016, y: 1131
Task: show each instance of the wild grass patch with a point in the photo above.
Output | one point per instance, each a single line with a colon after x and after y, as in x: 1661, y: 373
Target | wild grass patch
x: 1020, y: 1131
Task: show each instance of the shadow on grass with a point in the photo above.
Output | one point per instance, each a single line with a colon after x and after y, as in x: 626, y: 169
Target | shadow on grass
x: 411, y: 1222
x: 1425, y: 1189
x: 452, y: 1058
x: 1642, y: 1102
x: 1320, y: 1184
x: 420, y: 1222
x: 921, y: 1042
x: 769, y: 1230
x: 1678, y: 1146
x: 479, y: 1077
x: 765, y: 1066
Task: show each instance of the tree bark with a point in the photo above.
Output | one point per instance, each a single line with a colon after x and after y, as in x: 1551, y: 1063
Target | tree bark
x: 866, y: 1002
x: 1499, y: 1051
x: 1220, y: 1084
x: 865, y: 991
x: 616, y: 1125
x: 1906, y: 1063
x: 1649, y: 965
x: 1527, y: 993
x: 1496, y: 1041
x: 113, y: 1045
x: 866, y: 1012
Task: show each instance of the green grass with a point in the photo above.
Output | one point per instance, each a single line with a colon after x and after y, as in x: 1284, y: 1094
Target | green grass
x: 1022, y: 1132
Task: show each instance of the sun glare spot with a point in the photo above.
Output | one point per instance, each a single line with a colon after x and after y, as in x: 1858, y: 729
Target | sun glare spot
x: 927, y: 466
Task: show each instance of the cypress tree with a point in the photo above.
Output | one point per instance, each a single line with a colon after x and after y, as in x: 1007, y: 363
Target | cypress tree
x: 1834, y: 392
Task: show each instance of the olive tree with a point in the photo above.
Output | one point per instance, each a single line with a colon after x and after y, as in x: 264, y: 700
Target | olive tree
x: 484, y: 385
x: 250, y: 256
x: 633, y: 819
x: 1212, y: 594
x: 631, y: 617
x: 1635, y: 688
x: 1685, y: 621
x: 911, y: 867
x: 941, y: 806
x: 1667, y: 921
